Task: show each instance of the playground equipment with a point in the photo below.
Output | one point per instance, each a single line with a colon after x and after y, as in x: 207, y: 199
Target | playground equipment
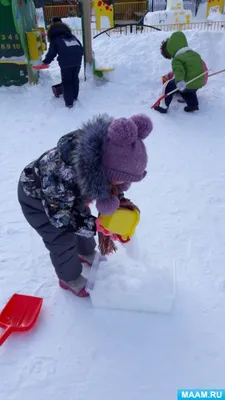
x: 22, y: 43
x: 89, y: 56
x: 101, y: 9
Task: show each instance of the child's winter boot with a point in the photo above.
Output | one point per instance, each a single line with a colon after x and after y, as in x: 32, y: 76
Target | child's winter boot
x: 87, y: 259
x: 191, y: 109
x: 77, y: 286
x: 160, y: 109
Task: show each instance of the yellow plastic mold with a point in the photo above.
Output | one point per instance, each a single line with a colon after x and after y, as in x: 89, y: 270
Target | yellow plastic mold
x: 122, y: 222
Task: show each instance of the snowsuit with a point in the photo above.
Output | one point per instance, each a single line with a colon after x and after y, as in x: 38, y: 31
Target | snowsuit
x: 186, y: 65
x: 70, y: 53
x: 189, y: 95
x: 97, y: 162
x: 54, y: 192
x: 63, y: 245
x: 53, y: 205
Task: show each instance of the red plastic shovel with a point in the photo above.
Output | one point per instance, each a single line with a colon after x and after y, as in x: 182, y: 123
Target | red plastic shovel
x: 39, y: 67
x: 19, y: 314
x: 175, y: 90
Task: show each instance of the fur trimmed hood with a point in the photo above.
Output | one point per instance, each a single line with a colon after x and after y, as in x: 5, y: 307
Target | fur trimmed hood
x: 164, y: 51
x: 83, y: 150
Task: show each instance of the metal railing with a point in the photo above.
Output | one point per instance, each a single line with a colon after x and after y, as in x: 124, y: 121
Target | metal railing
x: 126, y: 29
x: 203, y: 26
x: 138, y: 28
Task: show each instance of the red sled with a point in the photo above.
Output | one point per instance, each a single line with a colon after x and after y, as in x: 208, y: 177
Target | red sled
x: 39, y: 67
x: 19, y: 314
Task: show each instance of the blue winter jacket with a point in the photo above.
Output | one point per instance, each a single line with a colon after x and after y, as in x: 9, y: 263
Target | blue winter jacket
x: 64, y: 44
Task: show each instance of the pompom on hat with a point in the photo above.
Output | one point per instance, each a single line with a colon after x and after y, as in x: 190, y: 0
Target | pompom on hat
x: 107, y: 152
x: 125, y: 157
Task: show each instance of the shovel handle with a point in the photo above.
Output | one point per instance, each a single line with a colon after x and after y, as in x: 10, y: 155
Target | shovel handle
x: 5, y: 334
x: 176, y: 90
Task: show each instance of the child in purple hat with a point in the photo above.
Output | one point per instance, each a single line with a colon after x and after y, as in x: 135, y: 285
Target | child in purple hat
x: 54, y: 191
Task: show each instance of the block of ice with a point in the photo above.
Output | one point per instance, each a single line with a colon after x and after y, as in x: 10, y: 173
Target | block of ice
x: 122, y: 282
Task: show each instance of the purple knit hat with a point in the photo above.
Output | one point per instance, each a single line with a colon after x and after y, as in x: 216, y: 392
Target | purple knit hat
x: 125, y: 157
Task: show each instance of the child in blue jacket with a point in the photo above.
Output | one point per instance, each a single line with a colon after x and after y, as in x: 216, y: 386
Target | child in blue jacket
x: 70, y: 52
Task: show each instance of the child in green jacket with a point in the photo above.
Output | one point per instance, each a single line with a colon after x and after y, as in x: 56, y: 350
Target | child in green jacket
x: 186, y: 65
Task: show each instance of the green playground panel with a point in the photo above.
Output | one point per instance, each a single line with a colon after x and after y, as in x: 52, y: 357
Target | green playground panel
x: 13, y: 74
x: 16, y: 18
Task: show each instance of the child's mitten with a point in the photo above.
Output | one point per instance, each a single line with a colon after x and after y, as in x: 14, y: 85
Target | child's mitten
x: 181, y: 86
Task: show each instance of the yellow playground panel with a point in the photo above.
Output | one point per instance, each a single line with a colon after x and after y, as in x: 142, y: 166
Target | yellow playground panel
x: 36, y: 44
x: 102, y: 9
x: 215, y: 5
x: 179, y: 14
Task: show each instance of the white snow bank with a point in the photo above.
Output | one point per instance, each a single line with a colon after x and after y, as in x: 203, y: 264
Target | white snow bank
x: 75, y: 23
x: 202, y: 11
x: 168, y: 17
x: 125, y: 283
x: 216, y: 16
x: 40, y: 17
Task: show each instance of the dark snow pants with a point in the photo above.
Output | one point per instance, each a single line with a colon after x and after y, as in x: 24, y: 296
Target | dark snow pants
x: 64, y: 247
x: 70, y: 84
x: 189, y: 95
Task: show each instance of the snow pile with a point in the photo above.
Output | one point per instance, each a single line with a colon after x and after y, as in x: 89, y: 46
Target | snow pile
x: 75, y: 23
x: 40, y: 17
x: 215, y: 15
x: 174, y: 14
x: 124, y: 283
x: 168, y: 17
x: 202, y: 12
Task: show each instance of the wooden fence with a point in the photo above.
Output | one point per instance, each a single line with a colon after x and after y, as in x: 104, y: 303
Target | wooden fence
x: 62, y: 11
x: 129, y: 11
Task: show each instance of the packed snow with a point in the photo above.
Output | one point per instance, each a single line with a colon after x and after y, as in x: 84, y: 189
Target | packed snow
x: 75, y: 23
x: 174, y: 13
x: 216, y: 16
x: 81, y: 350
x: 128, y: 275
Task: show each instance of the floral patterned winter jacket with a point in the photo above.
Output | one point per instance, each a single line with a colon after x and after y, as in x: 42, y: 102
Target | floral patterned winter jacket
x: 70, y: 175
x: 52, y: 179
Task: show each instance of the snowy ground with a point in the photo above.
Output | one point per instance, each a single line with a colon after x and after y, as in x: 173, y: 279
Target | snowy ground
x: 77, y: 352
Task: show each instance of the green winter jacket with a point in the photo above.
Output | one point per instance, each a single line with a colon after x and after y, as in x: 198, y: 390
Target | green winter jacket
x: 186, y: 63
